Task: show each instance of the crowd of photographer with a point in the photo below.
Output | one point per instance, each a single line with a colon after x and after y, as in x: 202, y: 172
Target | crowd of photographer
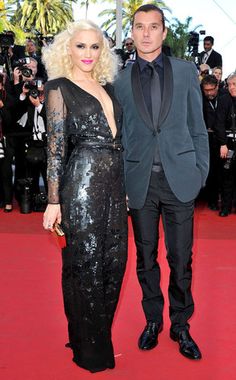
x: 22, y: 126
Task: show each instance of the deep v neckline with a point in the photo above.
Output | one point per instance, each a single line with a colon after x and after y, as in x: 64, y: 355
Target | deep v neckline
x: 94, y: 97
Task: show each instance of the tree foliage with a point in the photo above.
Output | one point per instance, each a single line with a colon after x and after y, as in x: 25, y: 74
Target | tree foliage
x: 178, y: 37
x: 128, y: 9
x: 45, y: 16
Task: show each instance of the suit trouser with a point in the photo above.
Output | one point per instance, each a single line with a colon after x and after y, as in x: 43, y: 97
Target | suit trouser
x: 177, y: 220
x: 213, y: 179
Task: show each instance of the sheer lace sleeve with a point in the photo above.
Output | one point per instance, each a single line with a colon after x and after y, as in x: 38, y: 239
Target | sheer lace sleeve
x: 56, y: 115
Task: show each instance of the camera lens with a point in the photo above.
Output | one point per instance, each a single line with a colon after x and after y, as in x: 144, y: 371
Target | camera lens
x: 34, y: 93
x: 26, y: 72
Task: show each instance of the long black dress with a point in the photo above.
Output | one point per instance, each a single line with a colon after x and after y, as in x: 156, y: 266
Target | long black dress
x: 85, y: 175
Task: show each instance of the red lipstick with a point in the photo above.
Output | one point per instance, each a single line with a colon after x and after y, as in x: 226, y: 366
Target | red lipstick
x: 87, y: 61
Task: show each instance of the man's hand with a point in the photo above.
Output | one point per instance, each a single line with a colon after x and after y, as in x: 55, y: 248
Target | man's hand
x: 34, y: 101
x: 223, y: 151
x: 16, y: 75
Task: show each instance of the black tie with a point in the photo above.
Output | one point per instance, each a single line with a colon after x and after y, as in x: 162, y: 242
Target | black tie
x: 155, y: 94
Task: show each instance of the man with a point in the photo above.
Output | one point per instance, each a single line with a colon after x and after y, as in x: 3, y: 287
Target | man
x: 210, y: 56
x: 225, y: 129
x: 166, y: 163
x: 130, y: 51
x: 210, y: 90
x: 31, y: 51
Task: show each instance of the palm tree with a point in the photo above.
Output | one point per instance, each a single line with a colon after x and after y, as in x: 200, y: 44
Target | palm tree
x: 5, y: 14
x: 44, y: 16
x: 128, y: 9
x: 86, y: 3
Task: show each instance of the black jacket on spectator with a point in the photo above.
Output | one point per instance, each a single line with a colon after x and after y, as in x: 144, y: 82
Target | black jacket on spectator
x: 215, y: 59
x: 226, y: 106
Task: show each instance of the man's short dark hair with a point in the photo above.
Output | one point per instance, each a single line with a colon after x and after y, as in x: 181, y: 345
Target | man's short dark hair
x: 148, y: 8
x: 209, y: 79
x: 209, y: 38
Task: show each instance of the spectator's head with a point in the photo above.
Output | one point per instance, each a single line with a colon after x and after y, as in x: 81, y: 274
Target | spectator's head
x: 208, y: 43
x: 210, y: 87
x: 204, y: 69
x: 30, y: 47
x: 217, y: 71
x: 231, y: 82
x: 129, y: 44
x: 111, y: 42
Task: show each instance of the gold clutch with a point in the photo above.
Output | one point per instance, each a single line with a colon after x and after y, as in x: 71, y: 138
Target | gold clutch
x: 58, y: 230
x: 60, y: 235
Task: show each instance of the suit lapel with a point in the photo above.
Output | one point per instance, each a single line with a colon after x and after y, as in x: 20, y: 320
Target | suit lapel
x: 167, y: 89
x: 138, y: 96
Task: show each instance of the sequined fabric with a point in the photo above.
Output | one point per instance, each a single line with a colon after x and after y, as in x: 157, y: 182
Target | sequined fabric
x: 88, y: 182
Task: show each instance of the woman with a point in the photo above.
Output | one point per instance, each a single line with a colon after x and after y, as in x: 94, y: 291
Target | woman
x: 218, y: 73
x: 85, y: 187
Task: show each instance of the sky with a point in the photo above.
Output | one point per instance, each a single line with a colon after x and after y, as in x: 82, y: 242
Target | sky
x: 216, y: 17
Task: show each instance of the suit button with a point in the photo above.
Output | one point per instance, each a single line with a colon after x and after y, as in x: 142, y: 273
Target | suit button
x: 154, y: 133
x: 159, y: 130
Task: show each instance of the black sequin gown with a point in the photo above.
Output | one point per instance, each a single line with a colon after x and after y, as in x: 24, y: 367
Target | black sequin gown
x: 85, y: 175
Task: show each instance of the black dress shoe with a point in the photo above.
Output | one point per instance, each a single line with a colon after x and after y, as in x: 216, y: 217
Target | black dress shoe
x: 213, y: 206
x: 6, y: 209
x: 148, y: 338
x: 68, y: 345
x: 187, y: 346
x: 224, y: 213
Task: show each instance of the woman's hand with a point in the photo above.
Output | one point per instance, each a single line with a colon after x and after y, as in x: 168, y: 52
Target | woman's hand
x: 52, y: 215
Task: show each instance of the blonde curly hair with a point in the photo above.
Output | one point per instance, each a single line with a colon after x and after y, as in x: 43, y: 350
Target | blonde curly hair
x: 58, y: 62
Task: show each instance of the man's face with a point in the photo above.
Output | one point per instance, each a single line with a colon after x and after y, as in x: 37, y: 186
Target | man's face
x: 207, y: 45
x: 210, y: 91
x: 30, y: 47
x: 232, y: 86
x: 148, y: 34
x: 129, y: 44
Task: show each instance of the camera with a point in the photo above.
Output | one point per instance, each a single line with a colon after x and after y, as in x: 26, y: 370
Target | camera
x: 26, y: 72
x: 20, y: 64
x: 48, y: 39
x: 32, y: 86
x: 23, y: 61
x: 6, y: 40
x: 2, y: 154
x: 42, y: 40
x: 40, y: 201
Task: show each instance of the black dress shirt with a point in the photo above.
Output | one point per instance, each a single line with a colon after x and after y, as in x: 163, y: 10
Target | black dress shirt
x: 145, y: 77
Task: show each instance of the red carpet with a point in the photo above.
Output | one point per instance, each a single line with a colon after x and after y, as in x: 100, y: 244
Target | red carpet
x: 33, y: 326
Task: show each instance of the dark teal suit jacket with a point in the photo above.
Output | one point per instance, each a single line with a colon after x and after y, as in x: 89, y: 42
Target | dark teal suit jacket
x: 179, y: 131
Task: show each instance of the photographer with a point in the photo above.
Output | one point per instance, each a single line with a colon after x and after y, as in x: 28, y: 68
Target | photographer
x: 31, y: 120
x: 226, y: 134
x: 31, y: 51
x: 9, y: 52
x: 36, y: 159
x: 7, y: 103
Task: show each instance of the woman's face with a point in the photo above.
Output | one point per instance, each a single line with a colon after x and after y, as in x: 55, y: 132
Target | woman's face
x: 218, y: 74
x: 85, y: 49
